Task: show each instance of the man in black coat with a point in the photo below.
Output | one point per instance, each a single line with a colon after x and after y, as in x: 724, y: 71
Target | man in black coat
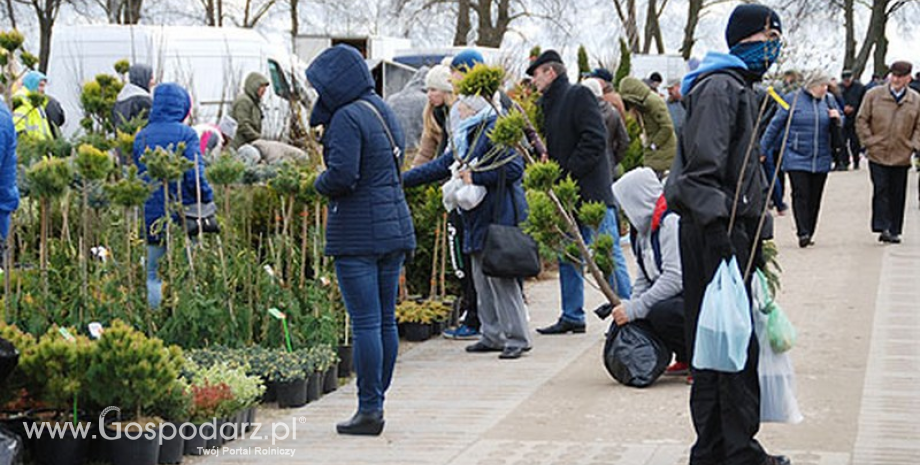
x: 576, y: 139
x: 722, y: 111
x: 853, y: 92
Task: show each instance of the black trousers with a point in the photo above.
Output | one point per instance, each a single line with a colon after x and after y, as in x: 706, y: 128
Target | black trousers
x: 852, y: 139
x: 807, y: 190
x: 725, y: 406
x: 669, y: 323
x: 889, y: 194
x: 468, y: 301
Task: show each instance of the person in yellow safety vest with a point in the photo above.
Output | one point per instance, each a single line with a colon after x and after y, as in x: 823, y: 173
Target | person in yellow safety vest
x: 29, y: 119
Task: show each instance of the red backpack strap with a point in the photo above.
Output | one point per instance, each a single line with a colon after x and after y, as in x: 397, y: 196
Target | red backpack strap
x: 661, y: 206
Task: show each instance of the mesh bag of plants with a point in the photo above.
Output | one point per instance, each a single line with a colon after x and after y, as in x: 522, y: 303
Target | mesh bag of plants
x: 634, y: 355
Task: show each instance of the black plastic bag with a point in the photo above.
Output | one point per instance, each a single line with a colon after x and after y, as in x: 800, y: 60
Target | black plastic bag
x: 11, y: 447
x: 9, y: 358
x: 634, y: 355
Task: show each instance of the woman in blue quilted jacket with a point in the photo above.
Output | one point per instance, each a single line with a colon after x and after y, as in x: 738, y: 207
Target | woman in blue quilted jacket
x: 369, y: 230
x: 807, y: 157
x: 166, y: 129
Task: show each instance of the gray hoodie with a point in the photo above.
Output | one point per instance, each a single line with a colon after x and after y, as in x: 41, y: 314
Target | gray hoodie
x: 637, y: 193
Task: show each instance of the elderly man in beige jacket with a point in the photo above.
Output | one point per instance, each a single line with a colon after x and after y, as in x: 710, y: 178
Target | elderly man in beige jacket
x: 889, y: 126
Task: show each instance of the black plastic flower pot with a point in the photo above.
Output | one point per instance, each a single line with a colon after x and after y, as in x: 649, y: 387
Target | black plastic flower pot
x: 315, y: 386
x: 136, y: 448
x: 172, y: 444
x: 436, y: 328
x: 196, y: 438
x: 292, y: 394
x: 331, y: 379
x: 217, y: 440
x: 250, y: 418
x: 229, y: 428
x: 417, y: 332
x: 69, y: 449
x: 271, y: 392
x: 345, y: 360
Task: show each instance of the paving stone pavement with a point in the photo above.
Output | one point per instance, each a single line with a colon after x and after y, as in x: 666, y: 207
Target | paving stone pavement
x: 853, y: 301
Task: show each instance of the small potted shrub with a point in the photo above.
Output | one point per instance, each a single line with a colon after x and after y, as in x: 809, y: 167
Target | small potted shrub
x: 287, y: 372
x: 208, y: 402
x: 327, y: 362
x: 245, y: 391
x: 416, y: 320
x: 58, y: 366
x: 174, y: 410
x: 132, y: 371
x: 14, y: 389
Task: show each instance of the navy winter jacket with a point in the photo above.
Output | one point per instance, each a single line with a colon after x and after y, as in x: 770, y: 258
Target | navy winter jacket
x: 9, y: 192
x: 808, y: 147
x: 368, y: 214
x: 171, y: 104
x: 476, y: 221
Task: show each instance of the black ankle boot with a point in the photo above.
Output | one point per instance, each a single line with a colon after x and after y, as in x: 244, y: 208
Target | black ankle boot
x: 363, y: 424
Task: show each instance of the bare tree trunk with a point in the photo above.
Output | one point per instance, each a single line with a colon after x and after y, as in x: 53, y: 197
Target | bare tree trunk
x: 463, y: 23
x: 695, y: 7
x: 849, y: 54
x: 881, y: 49
x: 632, y: 28
x: 295, y: 18
x: 45, y: 26
x: 877, y: 22
x: 220, y: 13
x: 11, y: 13
x: 209, y: 12
x: 649, y: 26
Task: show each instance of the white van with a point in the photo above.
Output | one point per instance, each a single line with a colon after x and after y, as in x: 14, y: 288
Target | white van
x: 210, y: 62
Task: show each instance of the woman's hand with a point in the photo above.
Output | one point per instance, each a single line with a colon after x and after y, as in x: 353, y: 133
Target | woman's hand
x: 467, y: 176
x: 833, y: 113
x: 619, y: 315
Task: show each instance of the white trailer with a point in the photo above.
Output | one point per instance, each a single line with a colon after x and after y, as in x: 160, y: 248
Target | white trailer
x: 210, y: 62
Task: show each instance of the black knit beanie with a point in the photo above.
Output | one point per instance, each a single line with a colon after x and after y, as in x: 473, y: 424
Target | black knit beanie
x: 749, y: 19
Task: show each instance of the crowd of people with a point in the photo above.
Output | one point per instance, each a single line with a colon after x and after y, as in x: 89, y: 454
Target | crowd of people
x: 698, y: 199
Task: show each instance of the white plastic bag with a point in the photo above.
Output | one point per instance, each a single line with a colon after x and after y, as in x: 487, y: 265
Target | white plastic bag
x: 778, y: 403
x: 469, y: 196
x: 449, y: 193
x: 723, y: 332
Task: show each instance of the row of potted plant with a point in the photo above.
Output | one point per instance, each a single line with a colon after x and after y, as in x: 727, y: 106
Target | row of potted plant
x: 420, y: 319
x: 292, y: 378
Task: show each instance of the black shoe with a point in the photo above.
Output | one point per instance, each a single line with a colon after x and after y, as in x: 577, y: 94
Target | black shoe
x: 804, y: 241
x: 562, y: 327
x: 481, y: 347
x: 886, y: 236
x: 362, y: 424
x: 511, y: 353
x: 777, y: 460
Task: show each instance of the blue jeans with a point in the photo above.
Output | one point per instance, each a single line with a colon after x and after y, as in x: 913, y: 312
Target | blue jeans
x: 154, y: 284
x: 571, y: 279
x: 369, y: 284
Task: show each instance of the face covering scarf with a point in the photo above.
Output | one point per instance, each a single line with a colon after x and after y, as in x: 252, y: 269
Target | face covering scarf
x: 758, y: 56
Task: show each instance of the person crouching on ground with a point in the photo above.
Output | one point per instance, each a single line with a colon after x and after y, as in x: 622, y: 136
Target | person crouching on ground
x: 657, y: 293
x: 501, y: 304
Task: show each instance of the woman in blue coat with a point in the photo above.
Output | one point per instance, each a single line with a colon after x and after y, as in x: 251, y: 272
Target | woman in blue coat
x: 501, y: 304
x: 369, y: 230
x: 166, y: 129
x: 807, y: 157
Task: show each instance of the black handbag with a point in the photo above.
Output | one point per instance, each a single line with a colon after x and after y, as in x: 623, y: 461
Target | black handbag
x: 838, y: 143
x: 508, y: 251
x: 201, y: 218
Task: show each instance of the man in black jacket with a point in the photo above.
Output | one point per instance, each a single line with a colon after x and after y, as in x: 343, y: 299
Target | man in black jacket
x: 853, y: 92
x: 576, y: 139
x: 722, y: 112
x: 134, y: 100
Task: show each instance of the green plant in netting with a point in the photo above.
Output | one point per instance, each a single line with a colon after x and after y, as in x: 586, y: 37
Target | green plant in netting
x: 482, y: 80
x: 625, y: 64
x: 130, y: 370
x: 772, y: 269
x: 635, y: 153
x: 583, y: 64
